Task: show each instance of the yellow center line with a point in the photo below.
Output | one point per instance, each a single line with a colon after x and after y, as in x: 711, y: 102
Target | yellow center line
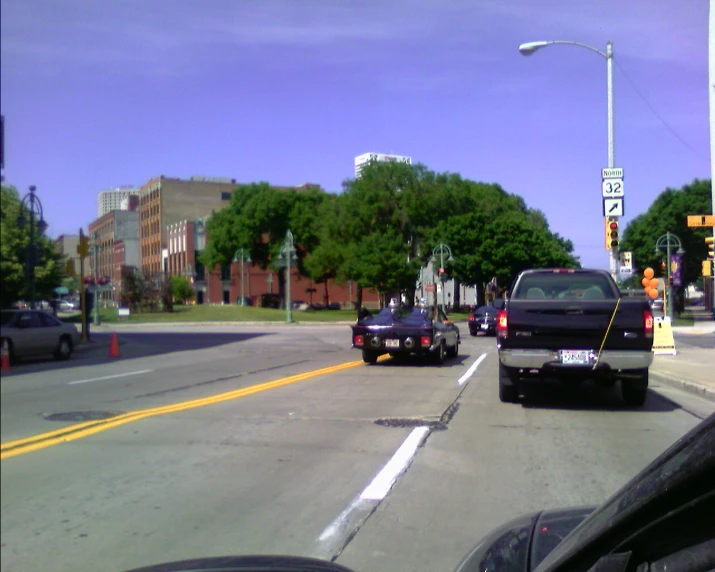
x: 87, y: 428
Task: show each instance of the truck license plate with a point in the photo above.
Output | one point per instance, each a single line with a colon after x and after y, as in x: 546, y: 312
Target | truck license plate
x: 575, y: 357
x: 392, y: 343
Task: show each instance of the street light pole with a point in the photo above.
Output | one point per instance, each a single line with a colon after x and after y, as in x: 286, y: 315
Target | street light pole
x: 530, y: 47
x: 288, y: 256
x: 242, y: 255
x: 442, y: 249
x: 96, y: 279
x: 669, y: 241
x: 34, y: 207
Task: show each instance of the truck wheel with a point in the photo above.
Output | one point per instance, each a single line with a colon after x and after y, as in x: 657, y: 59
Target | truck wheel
x: 508, y: 384
x: 369, y: 356
x: 635, y: 391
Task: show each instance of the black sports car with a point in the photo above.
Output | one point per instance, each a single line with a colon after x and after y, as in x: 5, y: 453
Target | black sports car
x: 483, y: 319
x: 398, y: 331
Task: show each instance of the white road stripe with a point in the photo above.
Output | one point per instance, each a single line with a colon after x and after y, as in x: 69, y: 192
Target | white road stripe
x: 110, y: 376
x: 470, y: 372
x: 382, y: 483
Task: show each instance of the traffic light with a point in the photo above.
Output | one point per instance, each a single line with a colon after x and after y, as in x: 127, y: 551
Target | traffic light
x: 611, y: 233
x: 70, y: 268
x: 711, y: 252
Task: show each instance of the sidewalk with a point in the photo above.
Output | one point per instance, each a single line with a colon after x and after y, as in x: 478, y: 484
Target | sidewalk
x: 691, y: 369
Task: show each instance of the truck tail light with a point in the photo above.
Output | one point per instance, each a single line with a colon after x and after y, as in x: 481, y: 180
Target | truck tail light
x: 426, y: 341
x: 359, y: 341
x: 648, y: 323
x: 502, y: 324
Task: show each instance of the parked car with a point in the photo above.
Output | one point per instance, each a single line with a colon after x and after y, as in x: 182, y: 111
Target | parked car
x: 399, y: 331
x: 334, y: 306
x: 34, y: 333
x: 574, y: 325
x: 483, y: 319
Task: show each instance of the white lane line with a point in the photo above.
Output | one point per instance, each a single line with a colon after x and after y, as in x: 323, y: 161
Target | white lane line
x: 470, y: 372
x: 382, y: 483
x: 330, y: 540
x: 110, y: 376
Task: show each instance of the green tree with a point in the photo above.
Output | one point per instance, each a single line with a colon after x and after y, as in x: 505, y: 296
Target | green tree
x: 181, y: 289
x: 14, y: 243
x: 669, y: 213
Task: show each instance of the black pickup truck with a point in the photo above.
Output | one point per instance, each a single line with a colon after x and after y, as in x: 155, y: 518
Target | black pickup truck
x: 574, y: 325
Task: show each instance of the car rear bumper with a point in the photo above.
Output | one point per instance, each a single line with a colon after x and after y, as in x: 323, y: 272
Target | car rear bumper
x: 549, y: 359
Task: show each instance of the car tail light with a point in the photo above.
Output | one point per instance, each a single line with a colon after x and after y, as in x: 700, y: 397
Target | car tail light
x: 648, y: 323
x: 359, y: 340
x: 426, y: 341
x: 471, y: 318
x: 502, y: 324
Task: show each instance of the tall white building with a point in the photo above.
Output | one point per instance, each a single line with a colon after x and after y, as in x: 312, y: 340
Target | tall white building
x: 111, y: 199
x: 362, y: 160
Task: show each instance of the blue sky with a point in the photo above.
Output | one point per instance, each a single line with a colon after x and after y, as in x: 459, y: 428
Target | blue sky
x: 102, y: 94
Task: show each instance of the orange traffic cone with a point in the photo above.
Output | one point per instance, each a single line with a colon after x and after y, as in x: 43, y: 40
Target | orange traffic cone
x: 114, y: 346
x: 5, y: 353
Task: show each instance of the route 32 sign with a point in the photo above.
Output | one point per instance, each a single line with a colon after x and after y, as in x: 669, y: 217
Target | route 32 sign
x: 611, y: 188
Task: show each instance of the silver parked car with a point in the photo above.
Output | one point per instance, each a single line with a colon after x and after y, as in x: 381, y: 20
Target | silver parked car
x: 36, y: 333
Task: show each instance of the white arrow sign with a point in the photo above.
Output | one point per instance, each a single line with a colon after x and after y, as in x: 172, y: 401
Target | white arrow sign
x: 613, y: 207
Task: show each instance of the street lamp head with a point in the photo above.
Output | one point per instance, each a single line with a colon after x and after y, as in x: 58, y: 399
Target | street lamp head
x: 21, y: 222
x: 42, y: 226
x: 681, y: 250
x: 530, y: 47
x: 199, y: 227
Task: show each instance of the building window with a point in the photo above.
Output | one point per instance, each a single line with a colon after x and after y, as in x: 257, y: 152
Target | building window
x: 225, y: 196
x: 225, y: 272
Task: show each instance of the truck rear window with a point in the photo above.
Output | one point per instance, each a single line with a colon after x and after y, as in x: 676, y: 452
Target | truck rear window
x: 542, y: 286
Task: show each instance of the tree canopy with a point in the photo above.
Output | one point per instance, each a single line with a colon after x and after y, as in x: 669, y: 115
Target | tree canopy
x: 382, y: 229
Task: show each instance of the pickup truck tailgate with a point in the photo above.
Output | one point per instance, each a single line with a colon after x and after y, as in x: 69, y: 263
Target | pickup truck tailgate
x: 557, y: 324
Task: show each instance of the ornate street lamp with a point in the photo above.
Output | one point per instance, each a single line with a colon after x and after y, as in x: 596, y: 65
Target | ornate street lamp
x: 32, y: 204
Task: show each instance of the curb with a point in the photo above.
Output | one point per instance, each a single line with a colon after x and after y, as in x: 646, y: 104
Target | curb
x: 689, y: 386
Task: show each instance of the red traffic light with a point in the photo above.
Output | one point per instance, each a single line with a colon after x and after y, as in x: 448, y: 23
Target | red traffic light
x: 613, y: 226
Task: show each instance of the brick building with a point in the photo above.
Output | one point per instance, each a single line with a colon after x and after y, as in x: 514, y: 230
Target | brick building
x: 106, y: 233
x: 222, y: 285
x: 165, y: 201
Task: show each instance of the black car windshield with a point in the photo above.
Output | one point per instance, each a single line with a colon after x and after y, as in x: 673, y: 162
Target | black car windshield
x: 560, y: 286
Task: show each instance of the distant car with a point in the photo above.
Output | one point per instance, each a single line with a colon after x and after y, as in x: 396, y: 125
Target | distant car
x: 34, y: 333
x: 334, y: 306
x: 67, y: 305
x: 246, y: 301
x: 401, y: 331
x: 483, y: 319
x: 657, y: 304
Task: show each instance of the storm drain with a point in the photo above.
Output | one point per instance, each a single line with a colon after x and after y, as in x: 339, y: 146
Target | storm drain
x: 81, y: 415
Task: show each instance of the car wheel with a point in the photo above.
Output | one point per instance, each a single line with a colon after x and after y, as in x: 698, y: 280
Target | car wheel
x: 369, y: 356
x: 439, y: 354
x: 453, y: 351
x: 635, y: 392
x: 508, y: 384
x: 64, y: 349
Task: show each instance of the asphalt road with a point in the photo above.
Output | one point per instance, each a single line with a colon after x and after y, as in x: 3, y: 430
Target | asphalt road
x: 301, y: 466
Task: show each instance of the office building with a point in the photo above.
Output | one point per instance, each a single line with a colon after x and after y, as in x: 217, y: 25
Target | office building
x: 362, y: 160
x: 112, y: 199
